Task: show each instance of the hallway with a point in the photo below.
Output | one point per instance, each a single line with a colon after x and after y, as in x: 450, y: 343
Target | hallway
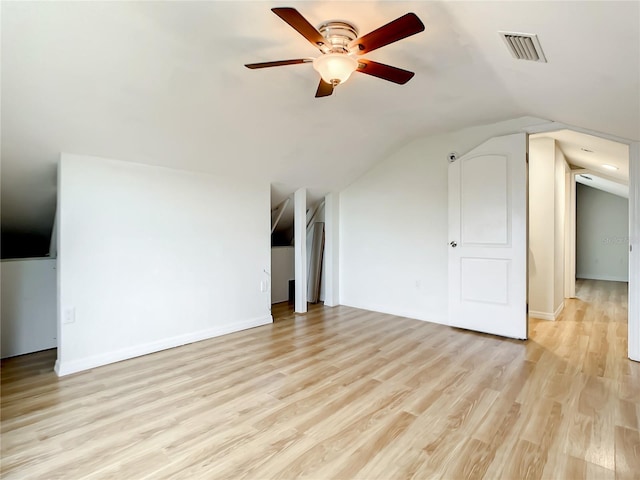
x: 591, y: 332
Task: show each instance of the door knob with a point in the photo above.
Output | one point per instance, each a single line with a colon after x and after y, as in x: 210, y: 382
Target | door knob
x: 453, y: 244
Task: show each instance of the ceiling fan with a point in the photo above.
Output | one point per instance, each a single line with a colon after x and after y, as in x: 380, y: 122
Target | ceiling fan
x: 340, y: 45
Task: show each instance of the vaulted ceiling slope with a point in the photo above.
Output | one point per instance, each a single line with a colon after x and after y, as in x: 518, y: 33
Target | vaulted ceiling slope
x: 163, y: 83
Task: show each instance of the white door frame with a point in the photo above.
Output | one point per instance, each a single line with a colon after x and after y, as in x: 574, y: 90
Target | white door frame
x: 570, y: 236
x: 634, y: 225
x: 331, y: 250
x: 300, y: 249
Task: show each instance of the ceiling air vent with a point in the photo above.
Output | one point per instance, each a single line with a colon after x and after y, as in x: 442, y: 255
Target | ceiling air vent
x: 523, y: 46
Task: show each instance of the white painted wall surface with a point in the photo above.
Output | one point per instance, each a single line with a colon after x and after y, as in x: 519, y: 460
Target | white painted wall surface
x: 541, y: 227
x: 151, y: 258
x: 393, y: 226
x: 28, y: 306
x: 331, y: 265
x: 602, y: 235
x: 300, y: 248
x: 559, y: 206
x: 569, y: 234
x: 283, y: 270
x: 547, y: 206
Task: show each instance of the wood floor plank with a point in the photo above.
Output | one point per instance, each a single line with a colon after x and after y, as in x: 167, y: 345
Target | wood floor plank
x: 627, y: 453
x: 342, y: 393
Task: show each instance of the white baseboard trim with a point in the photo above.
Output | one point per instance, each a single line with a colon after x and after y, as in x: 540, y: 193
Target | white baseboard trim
x: 558, y: 311
x: 548, y: 315
x: 74, y: 366
x: 595, y: 276
x: 541, y: 315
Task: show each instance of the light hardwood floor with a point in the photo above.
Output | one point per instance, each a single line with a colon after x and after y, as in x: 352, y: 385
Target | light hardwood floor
x: 342, y: 393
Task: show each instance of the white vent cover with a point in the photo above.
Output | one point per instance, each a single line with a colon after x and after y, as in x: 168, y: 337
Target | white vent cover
x: 524, y: 46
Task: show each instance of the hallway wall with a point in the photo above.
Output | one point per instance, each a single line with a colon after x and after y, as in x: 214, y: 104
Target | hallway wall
x: 547, y: 167
x: 602, y: 235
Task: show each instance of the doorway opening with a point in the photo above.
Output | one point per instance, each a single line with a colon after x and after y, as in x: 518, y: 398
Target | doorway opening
x: 578, y: 223
x: 282, y: 249
x: 285, y: 261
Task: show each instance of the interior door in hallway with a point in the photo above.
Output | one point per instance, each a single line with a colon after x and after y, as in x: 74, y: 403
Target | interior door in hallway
x: 488, y: 238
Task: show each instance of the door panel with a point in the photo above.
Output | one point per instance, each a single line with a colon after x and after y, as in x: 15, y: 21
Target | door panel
x: 485, y: 206
x: 488, y: 235
x: 485, y: 280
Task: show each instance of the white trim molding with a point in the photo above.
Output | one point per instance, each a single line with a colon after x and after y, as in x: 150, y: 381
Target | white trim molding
x: 570, y: 236
x: 331, y: 250
x: 634, y: 254
x: 66, y: 368
x: 547, y: 315
x: 595, y: 276
x: 300, y: 248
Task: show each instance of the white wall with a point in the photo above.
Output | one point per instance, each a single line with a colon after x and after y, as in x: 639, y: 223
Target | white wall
x: 283, y: 270
x: 300, y: 248
x: 28, y: 306
x: 150, y: 258
x: 547, y: 205
x: 541, y: 226
x: 331, y: 267
x: 569, y: 234
x: 393, y: 227
x: 561, y: 167
x: 602, y: 235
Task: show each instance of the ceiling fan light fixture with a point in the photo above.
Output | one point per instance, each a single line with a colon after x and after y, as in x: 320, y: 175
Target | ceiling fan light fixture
x: 339, y: 44
x: 335, y: 68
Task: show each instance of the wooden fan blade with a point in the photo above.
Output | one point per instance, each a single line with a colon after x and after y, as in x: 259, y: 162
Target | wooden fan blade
x: 278, y: 63
x: 301, y: 25
x: 324, y: 89
x: 386, y: 72
x: 400, y: 28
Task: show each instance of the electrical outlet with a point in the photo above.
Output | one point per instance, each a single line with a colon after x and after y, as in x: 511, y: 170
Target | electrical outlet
x: 69, y: 316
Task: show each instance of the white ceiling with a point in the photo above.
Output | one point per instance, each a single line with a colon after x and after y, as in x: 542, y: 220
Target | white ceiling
x: 163, y: 83
x: 603, y: 184
x: 587, y: 151
x: 589, y: 155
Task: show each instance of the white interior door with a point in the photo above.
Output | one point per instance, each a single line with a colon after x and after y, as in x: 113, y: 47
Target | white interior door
x: 488, y: 238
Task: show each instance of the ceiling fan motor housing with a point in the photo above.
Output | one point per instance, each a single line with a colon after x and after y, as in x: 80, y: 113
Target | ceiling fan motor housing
x: 339, y: 34
x: 336, y: 64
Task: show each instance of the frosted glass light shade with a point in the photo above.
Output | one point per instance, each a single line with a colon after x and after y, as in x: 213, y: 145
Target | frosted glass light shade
x: 335, y: 68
